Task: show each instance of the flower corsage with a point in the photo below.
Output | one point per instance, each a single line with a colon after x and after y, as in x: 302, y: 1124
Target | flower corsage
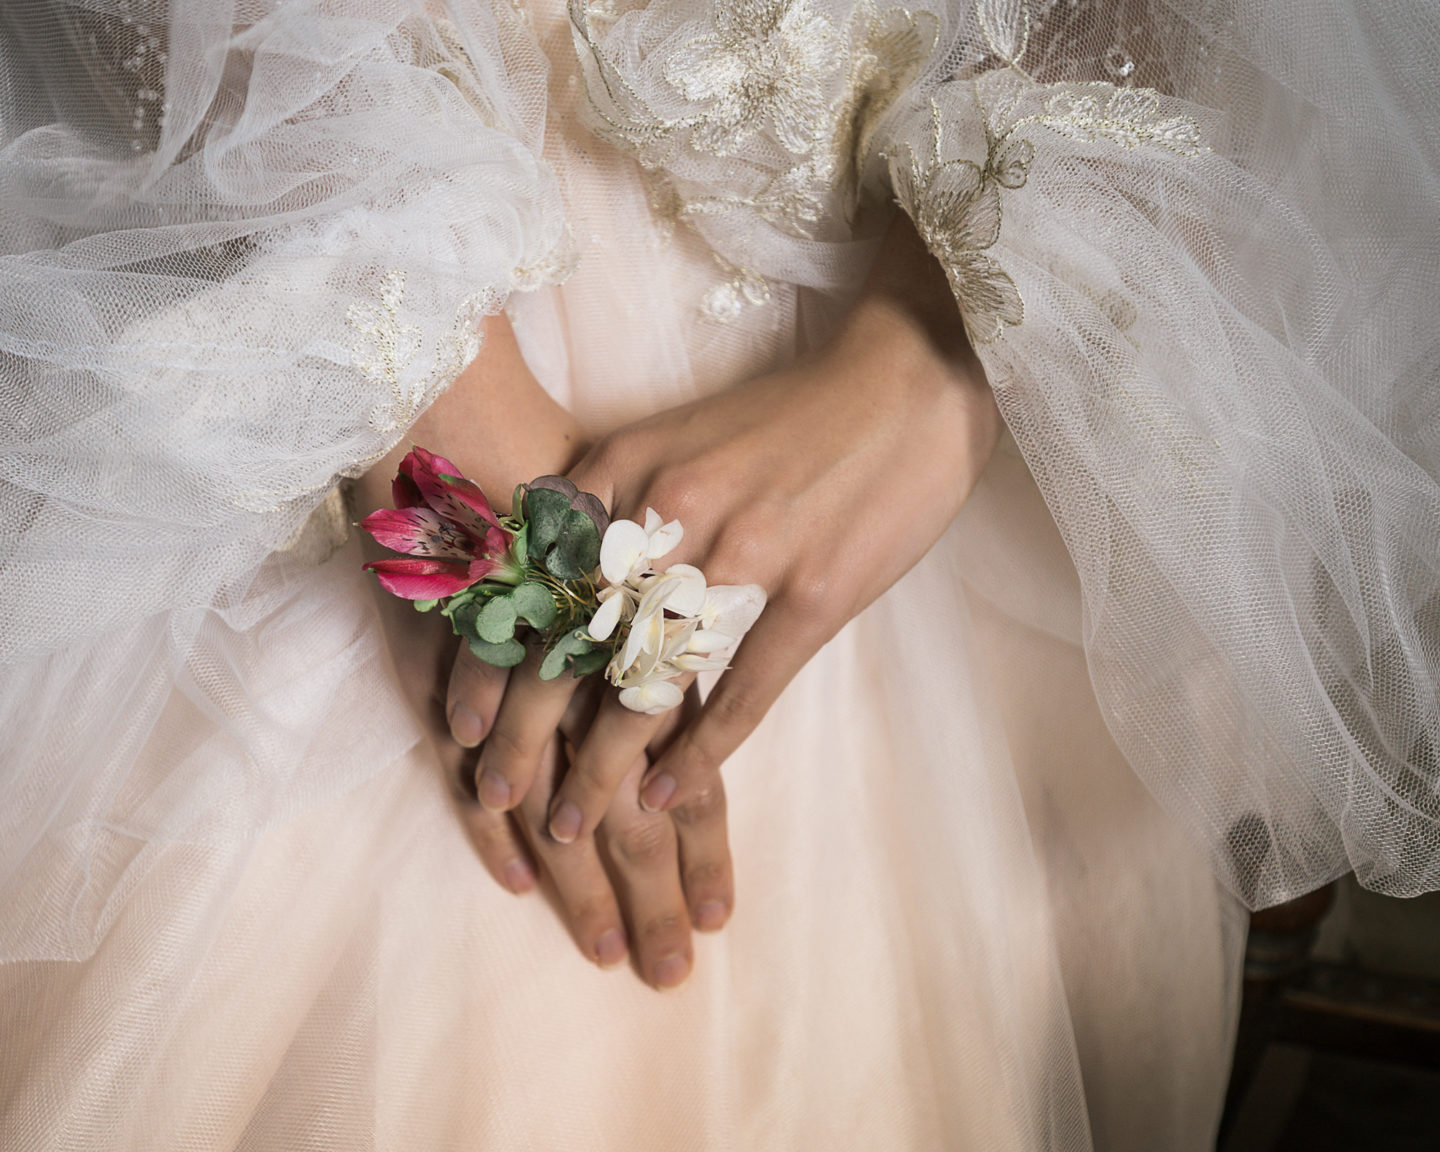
x: 558, y: 572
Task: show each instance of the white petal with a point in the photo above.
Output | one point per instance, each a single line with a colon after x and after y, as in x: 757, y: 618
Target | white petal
x: 709, y: 640
x: 663, y: 539
x: 606, y: 617
x: 691, y: 662
x: 688, y: 599
x: 678, y: 634
x: 652, y: 520
x: 652, y: 698
x: 733, y: 608
x: 623, y: 547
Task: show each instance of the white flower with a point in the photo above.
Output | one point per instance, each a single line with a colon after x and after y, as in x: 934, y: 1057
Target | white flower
x: 627, y: 549
x: 667, y: 624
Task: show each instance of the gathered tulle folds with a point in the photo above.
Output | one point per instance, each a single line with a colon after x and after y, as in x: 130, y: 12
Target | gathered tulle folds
x: 242, y: 249
x: 244, y: 244
x: 1208, y: 319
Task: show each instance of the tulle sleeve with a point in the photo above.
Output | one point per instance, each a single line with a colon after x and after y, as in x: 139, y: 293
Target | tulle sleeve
x: 1199, y: 260
x: 242, y: 250
x: 242, y: 246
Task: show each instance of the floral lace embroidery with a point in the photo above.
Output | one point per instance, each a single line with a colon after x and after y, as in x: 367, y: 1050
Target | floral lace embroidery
x: 956, y: 203
x: 764, y: 65
x: 726, y: 301
x: 385, y: 352
x: 956, y: 208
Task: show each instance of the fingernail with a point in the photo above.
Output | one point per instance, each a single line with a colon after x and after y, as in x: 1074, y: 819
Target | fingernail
x: 518, y: 877
x: 466, y: 727
x: 494, y: 791
x: 671, y: 971
x: 565, y: 822
x: 657, y: 793
x: 610, y: 948
x: 710, y: 916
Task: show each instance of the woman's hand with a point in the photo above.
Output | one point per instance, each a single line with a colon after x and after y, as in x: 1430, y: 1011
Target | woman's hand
x: 823, y: 483
x: 501, y: 429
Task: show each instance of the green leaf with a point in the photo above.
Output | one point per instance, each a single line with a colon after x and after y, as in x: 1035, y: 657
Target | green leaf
x: 424, y: 605
x: 536, y: 604
x: 496, y: 622
x: 462, y: 619
x: 521, y: 546
x: 577, y: 550
x: 546, y: 511
x: 505, y: 655
x: 588, y: 662
x: 576, y: 643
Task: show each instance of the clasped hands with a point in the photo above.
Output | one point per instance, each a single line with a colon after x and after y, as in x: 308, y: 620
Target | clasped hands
x: 824, y: 483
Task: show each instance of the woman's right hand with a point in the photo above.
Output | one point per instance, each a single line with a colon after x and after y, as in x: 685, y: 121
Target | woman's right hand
x: 622, y: 886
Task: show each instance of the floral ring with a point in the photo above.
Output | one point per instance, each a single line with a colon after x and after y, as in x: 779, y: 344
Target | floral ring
x: 558, y: 566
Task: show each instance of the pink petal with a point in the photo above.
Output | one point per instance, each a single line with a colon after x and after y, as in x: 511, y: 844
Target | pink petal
x: 449, y: 492
x: 422, y: 579
x: 405, y: 492
x: 468, y: 493
x: 481, y: 568
x: 419, y: 532
x: 497, y: 542
x: 431, y: 462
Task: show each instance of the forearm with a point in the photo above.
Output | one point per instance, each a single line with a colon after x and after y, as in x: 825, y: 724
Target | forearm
x: 494, y: 421
x: 908, y: 303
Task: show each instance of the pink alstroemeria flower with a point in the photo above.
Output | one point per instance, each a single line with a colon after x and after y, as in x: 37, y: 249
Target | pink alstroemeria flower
x: 443, y: 520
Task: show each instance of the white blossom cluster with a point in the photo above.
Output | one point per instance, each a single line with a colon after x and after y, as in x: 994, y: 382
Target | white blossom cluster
x: 670, y: 623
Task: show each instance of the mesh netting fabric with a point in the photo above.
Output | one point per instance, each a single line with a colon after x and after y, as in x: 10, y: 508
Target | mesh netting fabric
x: 243, y: 244
x: 1208, y: 242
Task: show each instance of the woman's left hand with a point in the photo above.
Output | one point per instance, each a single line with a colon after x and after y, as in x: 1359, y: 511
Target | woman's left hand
x: 824, y: 484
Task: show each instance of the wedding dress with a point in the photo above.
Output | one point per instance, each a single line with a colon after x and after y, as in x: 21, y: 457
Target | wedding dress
x: 1179, y: 654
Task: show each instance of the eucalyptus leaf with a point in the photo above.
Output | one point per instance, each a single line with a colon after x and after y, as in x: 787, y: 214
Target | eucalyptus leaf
x: 576, y: 643
x: 587, y: 662
x: 462, y: 620
x: 545, y: 510
x: 535, y: 603
x: 577, y: 550
x: 505, y: 655
x: 496, y: 622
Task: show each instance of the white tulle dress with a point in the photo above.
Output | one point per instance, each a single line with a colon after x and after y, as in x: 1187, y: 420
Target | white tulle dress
x: 993, y: 845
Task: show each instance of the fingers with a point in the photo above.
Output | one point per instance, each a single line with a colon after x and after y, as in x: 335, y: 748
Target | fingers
x: 474, y: 696
x: 642, y: 852
x: 767, y: 661
x: 616, y: 738
x: 498, y: 843
x: 706, y: 873
x: 587, y: 900
x: 524, y: 727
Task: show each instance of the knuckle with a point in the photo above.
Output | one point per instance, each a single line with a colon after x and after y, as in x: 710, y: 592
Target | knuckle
x: 607, y: 458
x: 646, y: 846
x: 811, y: 593
x: 507, y: 751
x: 706, y: 877
x: 705, y: 805
x: 589, y: 911
x: 664, y: 928
x: 732, y: 707
x: 677, y: 492
x: 745, y: 546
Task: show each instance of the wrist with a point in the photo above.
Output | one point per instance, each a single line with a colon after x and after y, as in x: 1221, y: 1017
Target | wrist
x: 495, y: 423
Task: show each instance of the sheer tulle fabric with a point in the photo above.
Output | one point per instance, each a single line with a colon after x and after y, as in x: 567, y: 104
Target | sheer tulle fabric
x: 1198, y: 262
x: 239, y: 911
